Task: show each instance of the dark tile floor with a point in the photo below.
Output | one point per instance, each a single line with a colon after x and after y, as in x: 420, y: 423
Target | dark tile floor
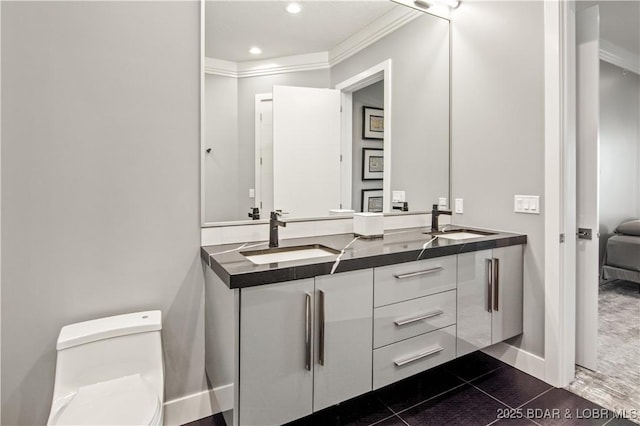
x: 473, y: 390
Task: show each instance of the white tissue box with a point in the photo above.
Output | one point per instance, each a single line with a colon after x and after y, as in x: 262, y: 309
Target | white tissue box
x: 368, y: 225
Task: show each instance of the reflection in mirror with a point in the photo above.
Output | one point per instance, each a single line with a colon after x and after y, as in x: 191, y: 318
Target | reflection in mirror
x: 345, y: 107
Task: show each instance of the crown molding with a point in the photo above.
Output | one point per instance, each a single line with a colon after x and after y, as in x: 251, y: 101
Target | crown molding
x: 618, y: 56
x: 319, y: 60
x: 220, y: 67
x: 373, y: 32
x: 285, y: 64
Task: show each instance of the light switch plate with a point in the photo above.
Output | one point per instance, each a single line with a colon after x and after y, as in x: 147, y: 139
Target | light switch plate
x: 252, y: 193
x: 526, y: 204
x: 442, y: 202
x: 459, y: 205
x: 398, y: 196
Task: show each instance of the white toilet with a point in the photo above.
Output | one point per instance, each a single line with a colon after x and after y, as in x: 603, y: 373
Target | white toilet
x: 110, y: 371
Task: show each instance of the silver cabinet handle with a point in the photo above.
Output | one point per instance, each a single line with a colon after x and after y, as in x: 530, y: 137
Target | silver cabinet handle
x: 496, y: 283
x: 307, y: 333
x: 489, y: 283
x: 417, y: 273
x: 416, y: 357
x: 418, y: 317
x: 321, y: 314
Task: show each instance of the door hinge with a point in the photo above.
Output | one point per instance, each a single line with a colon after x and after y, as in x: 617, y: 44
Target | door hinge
x: 261, y: 117
x: 341, y: 158
x: 340, y: 108
x: 561, y: 238
x: 261, y: 161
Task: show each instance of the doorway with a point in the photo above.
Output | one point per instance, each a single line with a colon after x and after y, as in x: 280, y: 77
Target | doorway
x: 375, y: 74
x: 608, y: 194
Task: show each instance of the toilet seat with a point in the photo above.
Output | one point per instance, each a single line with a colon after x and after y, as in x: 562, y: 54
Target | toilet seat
x: 128, y: 400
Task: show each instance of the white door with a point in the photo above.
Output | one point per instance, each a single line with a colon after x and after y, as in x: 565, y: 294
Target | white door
x: 264, y: 154
x: 306, y: 150
x: 588, y: 165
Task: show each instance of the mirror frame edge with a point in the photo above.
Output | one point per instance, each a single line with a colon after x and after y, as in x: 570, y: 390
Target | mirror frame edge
x: 446, y: 15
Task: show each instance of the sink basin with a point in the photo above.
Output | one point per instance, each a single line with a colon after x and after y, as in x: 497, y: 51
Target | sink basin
x: 462, y: 234
x: 286, y: 254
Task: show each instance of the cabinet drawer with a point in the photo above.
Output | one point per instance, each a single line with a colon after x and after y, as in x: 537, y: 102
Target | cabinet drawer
x: 403, y: 320
x: 396, y: 283
x: 403, y: 359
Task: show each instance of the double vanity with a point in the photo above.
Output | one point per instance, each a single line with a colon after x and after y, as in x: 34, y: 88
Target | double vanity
x: 355, y: 315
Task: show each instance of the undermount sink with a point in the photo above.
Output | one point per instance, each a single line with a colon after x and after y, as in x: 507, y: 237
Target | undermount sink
x: 286, y: 254
x: 462, y: 234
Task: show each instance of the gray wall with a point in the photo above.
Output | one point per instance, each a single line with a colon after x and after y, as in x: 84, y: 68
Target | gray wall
x: 221, y: 177
x: 100, y: 193
x: 420, y: 102
x: 619, y: 149
x: 498, y: 132
x: 372, y: 96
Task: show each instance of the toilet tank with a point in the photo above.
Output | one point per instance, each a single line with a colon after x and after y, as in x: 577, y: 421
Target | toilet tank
x: 108, y: 348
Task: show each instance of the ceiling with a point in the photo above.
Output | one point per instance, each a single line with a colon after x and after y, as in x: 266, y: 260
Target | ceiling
x: 619, y: 22
x: 232, y: 26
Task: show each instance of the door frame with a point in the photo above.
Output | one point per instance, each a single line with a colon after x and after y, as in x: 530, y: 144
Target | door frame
x: 560, y: 192
x: 259, y: 97
x: 379, y: 72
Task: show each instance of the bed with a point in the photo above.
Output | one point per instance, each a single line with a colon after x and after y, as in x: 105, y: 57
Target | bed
x: 622, y: 253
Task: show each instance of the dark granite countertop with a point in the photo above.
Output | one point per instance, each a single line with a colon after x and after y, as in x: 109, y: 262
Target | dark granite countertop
x: 397, y: 246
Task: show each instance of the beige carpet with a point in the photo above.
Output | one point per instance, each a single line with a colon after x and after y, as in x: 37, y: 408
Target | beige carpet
x: 616, y: 383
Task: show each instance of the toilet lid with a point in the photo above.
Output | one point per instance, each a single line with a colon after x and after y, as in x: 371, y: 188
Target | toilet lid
x: 128, y: 400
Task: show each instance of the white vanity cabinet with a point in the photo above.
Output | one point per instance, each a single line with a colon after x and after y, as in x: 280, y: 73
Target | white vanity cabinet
x: 414, y: 318
x: 303, y: 346
x: 297, y: 347
x: 490, y: 288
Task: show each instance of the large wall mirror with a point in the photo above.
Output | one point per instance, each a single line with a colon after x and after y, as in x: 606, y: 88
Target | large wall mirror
x: 323, y: 107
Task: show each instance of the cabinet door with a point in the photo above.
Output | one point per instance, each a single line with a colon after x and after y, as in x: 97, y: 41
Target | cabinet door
x: 474, y: 298
x: 276, y: 373
x: 343, y: 349
x: 508, y: 286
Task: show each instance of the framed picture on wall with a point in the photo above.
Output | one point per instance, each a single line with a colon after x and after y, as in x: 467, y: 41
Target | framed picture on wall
x: 372, y: 200
x: 372, y: 163
x: 372, y: 123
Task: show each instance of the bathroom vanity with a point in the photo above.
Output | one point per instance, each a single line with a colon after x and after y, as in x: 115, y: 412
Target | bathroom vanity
x: 298, y: 336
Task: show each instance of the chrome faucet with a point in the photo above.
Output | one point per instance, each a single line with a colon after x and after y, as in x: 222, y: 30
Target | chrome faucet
x: 274, y: 223
x: 434, y: 217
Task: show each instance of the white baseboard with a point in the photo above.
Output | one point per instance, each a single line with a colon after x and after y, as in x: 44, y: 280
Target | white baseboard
x: 198, y: 405
x: 518, y: 358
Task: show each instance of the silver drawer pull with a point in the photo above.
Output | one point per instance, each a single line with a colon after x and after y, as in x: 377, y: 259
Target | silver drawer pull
x: 419, y: 317
x: 418, y: 273
x: 413, y: 358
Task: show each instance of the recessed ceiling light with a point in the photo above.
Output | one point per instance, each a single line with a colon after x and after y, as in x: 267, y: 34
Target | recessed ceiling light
x: 294, y: 8
x: 255, y: 50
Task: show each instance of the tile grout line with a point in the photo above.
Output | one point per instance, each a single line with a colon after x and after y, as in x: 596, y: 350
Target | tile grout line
x: 405, y: 422
x: 477, y: 377
x: 426, y: 400
x: 535, y: 397
x: 383, y: 420
x: 492, y: 397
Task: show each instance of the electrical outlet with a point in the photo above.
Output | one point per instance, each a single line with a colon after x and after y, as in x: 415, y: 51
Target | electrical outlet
x: 442, y: 202
x: 252, y: 193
